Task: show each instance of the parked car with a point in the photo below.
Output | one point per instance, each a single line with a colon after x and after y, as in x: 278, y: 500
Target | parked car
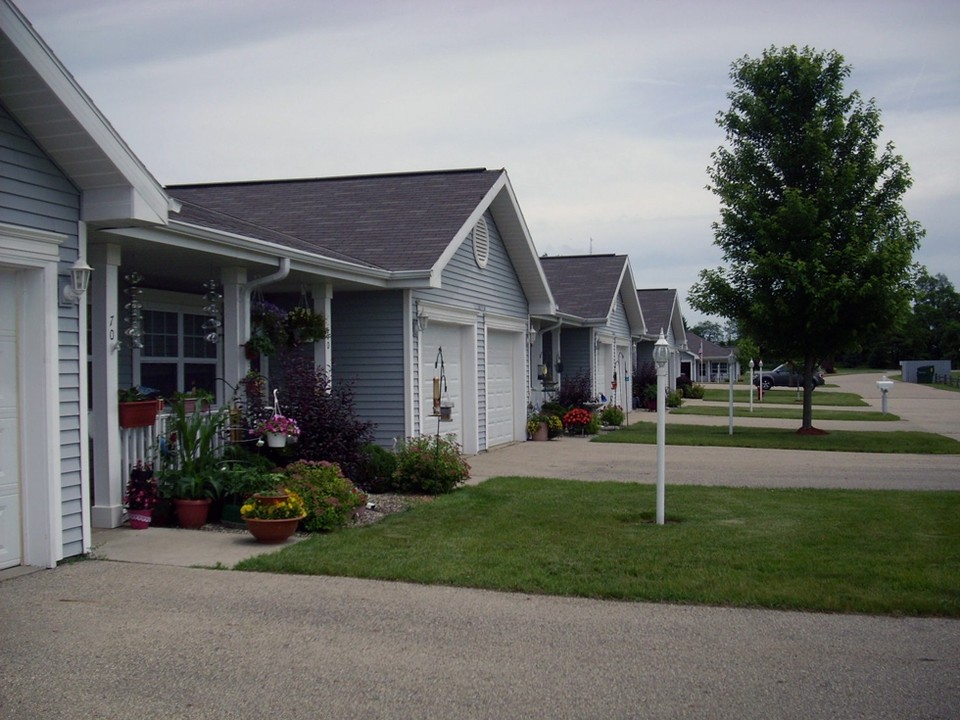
x: 785, y: 375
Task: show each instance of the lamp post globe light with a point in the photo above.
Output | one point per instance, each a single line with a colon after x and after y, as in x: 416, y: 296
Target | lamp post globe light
x: 661, y: 353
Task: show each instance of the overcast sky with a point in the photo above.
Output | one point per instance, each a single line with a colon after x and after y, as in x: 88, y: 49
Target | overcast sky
x: 603, y: 113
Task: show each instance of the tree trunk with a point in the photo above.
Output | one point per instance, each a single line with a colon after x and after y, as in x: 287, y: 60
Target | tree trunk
x: 808, y: 365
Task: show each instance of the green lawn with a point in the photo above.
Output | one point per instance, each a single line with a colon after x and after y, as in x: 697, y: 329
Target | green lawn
x: 881, y: 552
x: 778, y: 438
x: 782, y: 396
x: 691, y: 407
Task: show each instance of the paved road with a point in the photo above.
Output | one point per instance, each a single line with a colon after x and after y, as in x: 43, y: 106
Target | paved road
x: 121, y: 640
x: 98, y: 639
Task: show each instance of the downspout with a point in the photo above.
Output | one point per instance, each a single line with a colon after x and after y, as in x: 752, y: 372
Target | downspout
x: 280, y: 274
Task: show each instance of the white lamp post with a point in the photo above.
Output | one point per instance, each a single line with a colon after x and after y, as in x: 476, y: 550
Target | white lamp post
x: 731, y: 359
x: 661, y: 353
x: 884, y: 386
x: 760, y: 384
x: 751, y: 384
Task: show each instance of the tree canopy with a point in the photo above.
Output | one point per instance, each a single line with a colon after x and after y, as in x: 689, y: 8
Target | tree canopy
x: 817, y: 244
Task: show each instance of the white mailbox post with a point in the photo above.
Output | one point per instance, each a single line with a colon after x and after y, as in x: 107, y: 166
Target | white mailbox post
x: 884, y: 384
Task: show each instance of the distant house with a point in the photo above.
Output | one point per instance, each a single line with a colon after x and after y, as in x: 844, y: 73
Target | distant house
x: 707, y: 361
x: 598, y: 323
x: 661, y: 308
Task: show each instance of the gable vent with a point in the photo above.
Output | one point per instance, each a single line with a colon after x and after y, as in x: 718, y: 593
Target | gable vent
x: 481, y: 242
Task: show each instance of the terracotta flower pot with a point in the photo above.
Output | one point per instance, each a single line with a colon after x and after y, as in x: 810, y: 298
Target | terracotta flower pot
x: 542, y: 434
x: 141, y: 413
x: 192, y: 514
x: 272, y: 531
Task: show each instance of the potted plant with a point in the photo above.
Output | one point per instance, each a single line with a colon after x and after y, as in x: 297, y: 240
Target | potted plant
x: 277, y: 429
x: 239, y: 481
x: 191, y: 476
x: 138, y: 407
x: 302, y: 326
x: 273, y: 518
x: 141, y: 495
x: 577, y: 420
x: 537, y: 427
x: 195, y: 398
x: 554, y: 426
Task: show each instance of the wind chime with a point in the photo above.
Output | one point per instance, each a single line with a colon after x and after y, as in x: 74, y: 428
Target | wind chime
x: 212, y: 324
x: 133, y: 334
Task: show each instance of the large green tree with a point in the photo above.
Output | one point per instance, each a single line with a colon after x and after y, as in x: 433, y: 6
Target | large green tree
x: 817, y: 245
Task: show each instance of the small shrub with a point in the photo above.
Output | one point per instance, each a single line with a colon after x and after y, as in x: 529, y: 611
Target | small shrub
x: 694, y: 391
x: 554, y: 408
x: 674, y: 398
x: 612, y: 415
x: 593, y: 427
x: 377, y: 469
x: 328, y: 497
x: 575, y: 391
x: 432, y: 465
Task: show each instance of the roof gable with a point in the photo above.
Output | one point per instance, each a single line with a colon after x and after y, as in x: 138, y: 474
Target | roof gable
x: 661, y: 308
x: 587, y: 286
x: 47, y: 101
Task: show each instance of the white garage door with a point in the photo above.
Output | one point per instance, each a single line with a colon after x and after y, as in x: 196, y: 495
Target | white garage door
x: 501, y: 399
x: 10, y: 542
x: 447, y: 337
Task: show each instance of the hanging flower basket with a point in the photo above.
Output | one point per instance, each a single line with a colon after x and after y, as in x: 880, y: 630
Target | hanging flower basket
x: 304, y: 326
x: 276, y: 439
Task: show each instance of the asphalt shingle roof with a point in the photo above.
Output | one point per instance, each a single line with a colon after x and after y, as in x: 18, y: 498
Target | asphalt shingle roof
x: 658, y: 306
x: 396, y: 222
x: 584, y: 285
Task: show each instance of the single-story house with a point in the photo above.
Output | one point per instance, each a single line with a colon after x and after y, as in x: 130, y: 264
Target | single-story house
x: 707, y: 361
x: 661, y: 308
x: 597, y: 324
x: 405, y: 268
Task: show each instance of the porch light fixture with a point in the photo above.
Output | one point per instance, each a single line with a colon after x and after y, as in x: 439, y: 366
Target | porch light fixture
x: 79, y: 282
x: 661, y: 353
x: 421, y: 321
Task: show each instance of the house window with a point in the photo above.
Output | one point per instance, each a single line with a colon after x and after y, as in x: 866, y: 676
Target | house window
x: 176, y: 356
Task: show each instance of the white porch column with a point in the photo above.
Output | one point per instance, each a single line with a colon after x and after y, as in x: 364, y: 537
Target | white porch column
x: 108, y: 476
x: 322, y: 351
x: 236, y: 329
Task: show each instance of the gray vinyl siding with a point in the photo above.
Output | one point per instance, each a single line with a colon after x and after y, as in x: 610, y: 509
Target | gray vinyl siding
x: 618, y: 320
x: 34, y: 193
x: 495, y: 288
x: 367, y: 344
x: 576, y: 352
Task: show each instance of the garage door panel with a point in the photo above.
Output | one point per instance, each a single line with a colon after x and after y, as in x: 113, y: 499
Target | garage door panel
x: 10, y: 539
x: 438, y: 336
x: 501, y: 396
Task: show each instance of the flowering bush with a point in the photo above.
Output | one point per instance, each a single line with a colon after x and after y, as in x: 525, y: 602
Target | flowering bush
x: 277, y: 424
x: 328, y: 497
x: 554, y: 425
x: 577, y: 419
x: 612, y: 415
x: 431, y: 465
x: 141, y: 491
x: 288, y: 508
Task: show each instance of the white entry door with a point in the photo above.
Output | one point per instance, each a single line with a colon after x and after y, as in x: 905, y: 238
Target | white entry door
x: 501, y: 398
x: 10, y: 519
x: 447, y: 337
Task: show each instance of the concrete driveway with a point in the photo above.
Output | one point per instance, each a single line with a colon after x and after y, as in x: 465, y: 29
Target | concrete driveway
x: 98, y: 639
